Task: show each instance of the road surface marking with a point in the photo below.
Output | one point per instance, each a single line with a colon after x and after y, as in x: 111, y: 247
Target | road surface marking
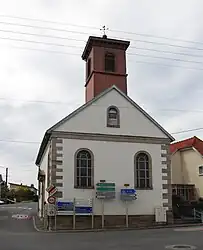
x: 21, y: 217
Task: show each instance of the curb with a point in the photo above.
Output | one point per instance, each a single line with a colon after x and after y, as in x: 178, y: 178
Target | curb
x: 112, y: 229
x: 35, y: 226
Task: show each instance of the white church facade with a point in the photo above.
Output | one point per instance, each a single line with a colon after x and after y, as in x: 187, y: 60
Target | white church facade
x: 109, y: 138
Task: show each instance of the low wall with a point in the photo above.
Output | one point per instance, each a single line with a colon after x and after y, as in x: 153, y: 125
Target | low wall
x: 110, y: 221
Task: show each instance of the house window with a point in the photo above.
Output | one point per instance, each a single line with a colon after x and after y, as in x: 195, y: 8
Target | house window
x: 113, y: 117
x: 109, y: 62
x: 88, y: 67
x: 200, y: 170
x: 84, y: 169
x: 143, y: 170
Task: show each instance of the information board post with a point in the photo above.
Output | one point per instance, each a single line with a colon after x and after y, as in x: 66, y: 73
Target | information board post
x: 74, y: 202
x: 92, y: 213
x: 126, y: 211
x: 127, y: 195
x: 102, y: 203
x: 55, y: 220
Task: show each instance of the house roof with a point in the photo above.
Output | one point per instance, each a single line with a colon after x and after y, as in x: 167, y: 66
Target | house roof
x: 49, y: 131
x: 21, y: 185
x: 193, y: 142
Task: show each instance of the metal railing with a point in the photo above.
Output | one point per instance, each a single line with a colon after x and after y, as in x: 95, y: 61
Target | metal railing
x: 198, y: 215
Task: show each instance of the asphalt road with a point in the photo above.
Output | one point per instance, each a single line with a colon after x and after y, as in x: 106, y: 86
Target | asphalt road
x: 17, y: 218
x: 19, y: 234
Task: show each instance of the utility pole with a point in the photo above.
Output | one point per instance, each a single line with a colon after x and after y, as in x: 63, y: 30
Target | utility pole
x: 6, y: 177
x: 6, y: 186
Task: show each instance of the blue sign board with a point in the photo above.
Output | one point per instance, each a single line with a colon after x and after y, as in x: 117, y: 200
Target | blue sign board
x: 68, y: 207
x: 83, y: 210
x: 65, y: 206
x: 128, y: 191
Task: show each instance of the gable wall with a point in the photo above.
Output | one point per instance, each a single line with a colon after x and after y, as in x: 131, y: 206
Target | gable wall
x: 93, y: 119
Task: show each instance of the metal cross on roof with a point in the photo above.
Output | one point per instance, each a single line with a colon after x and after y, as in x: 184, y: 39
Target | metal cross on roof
x: 104, y: 29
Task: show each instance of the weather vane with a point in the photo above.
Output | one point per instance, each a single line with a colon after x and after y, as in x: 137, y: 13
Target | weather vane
x: 104, y: 29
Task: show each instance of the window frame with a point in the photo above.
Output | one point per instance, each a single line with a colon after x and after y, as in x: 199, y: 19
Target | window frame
x: 92, y: 169
x: 136, y: 170
x: 117, y: 125
x: 200, y: 167
x: 114, y: 62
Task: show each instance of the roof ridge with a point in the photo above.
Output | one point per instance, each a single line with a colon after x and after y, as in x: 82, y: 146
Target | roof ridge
x: 187, y: 139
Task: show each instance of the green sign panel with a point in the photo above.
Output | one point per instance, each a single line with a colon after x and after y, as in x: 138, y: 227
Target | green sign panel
x: 105, y: 190
x: 104, y: 184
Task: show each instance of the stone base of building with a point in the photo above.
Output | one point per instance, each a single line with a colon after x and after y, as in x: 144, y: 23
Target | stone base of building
x: 110, y: 221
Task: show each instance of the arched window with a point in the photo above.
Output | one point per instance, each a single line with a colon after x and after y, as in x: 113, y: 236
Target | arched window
x: 113, y: 117
x: 109, y: 62
x: 143, y: 171
x: 89, y: 67
x: 84, y: 175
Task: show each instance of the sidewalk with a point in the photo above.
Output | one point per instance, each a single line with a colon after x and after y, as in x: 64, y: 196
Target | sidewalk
x: 39, y: 227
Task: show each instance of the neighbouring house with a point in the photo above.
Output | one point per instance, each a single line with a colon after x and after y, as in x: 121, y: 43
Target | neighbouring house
x: 187, y: 168
x: 14, y: 186
x: 109, y: 138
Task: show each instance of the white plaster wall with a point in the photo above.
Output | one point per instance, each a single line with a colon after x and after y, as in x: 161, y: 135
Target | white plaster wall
x: 114, y: 162
x: 93, y: 119
x: 44, y: 166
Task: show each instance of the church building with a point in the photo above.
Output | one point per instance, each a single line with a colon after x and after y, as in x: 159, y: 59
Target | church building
x: 109, y: 139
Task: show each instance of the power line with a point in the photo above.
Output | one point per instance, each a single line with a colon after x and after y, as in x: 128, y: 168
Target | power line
x: 46, y: 28
x: 182, y: 110
x: 72, y: 39
x: 167, y: 44
x: 44, y: 50
x: 165, y: 58
x: 74, y: 54
x: 41, y: 35
x: 47, y: 21
x: 96, y: 28
x: 34, y: 41
x: 73, y: 46
x: 37, y: 101
x: 153, y: 36
x: 168, y: 65
x: 185, y: 131
x: 79, y: 32
x: 13, y: 141
x: 169, y: 52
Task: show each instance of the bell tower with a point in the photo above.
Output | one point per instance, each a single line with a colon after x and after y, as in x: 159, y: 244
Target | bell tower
x: 105, y: 65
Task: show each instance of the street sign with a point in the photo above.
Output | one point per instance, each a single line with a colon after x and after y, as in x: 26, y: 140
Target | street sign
x: 128, y: 191
x: 53, y: 191
x: 105, y: 190
x: 51, y: 200
x: 51, y: 210
x: 65, y: 207
x: 82, y: 207
x: 128, y: 194
x: 48, y: 189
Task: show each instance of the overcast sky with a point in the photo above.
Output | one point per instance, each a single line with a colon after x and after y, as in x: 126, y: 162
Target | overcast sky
x: 31, y: 73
